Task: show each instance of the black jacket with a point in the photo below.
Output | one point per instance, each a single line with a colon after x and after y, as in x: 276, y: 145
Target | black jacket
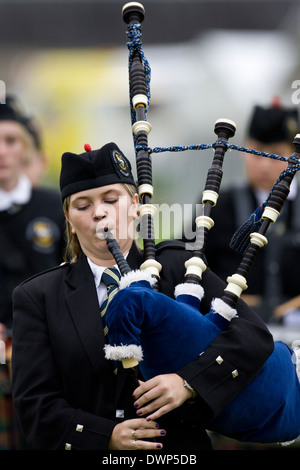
x: 61, y: 378
x: 32, y: 239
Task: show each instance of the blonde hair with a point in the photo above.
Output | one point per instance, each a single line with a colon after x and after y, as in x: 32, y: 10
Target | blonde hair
x: 73, y: 248
x: 28, y: 142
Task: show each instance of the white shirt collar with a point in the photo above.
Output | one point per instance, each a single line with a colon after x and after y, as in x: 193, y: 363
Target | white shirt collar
x: 19, y: 195
x: 97, y: 271
x: 100, y: 286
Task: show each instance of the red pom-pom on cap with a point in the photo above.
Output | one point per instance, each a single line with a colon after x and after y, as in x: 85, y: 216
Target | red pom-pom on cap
x: 276, y: 102
x: 87, y: 147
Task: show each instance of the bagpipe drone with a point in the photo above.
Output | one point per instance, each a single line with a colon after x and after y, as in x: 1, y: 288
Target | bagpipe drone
x: 143, y: 323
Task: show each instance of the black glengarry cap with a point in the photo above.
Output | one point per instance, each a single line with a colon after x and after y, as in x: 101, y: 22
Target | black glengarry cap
x: 274, y: 124
x: 12, y: 110
x: 94, y: 168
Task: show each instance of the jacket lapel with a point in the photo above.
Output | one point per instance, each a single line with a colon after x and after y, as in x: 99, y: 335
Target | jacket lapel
x: 83, y: 306
x: 84, y: 309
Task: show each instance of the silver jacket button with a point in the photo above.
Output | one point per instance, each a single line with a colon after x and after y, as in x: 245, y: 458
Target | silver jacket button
x: 219, y: 360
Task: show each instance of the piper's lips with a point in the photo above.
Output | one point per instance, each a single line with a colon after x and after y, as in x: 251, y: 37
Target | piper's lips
x: 101, y: 231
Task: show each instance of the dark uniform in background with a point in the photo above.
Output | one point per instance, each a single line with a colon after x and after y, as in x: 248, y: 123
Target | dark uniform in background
x: 32, y: 228
x: 274, y: 277
x: 31, y: 232
x: 31, y: 240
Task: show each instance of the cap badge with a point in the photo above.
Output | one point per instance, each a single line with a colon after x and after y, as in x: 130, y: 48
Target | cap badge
x: 120, y: 163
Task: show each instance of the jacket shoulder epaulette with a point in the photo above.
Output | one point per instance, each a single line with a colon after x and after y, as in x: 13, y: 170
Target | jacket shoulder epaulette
x: 54, y: 268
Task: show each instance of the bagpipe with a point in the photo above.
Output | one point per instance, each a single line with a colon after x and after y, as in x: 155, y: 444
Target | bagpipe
x: 145, y: 327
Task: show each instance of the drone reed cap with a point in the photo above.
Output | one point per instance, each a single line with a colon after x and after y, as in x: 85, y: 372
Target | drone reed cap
x: 133, y: 11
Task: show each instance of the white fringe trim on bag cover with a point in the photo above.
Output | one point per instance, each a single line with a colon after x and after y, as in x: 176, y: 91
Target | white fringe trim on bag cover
x: 196, y: 290
x: 118, y: 353
x: 223, y: 309
x: 135, y: 276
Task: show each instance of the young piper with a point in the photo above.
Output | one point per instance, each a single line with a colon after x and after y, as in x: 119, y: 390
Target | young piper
x: 66, y: 393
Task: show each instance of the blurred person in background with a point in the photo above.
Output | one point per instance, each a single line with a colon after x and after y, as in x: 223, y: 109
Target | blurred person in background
x: 35, y: 166
x: 31, y: 235
x: 273, y: 279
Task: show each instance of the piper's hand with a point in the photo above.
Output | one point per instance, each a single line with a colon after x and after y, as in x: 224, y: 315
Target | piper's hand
x: 164, y: 392
x: 132, y: 434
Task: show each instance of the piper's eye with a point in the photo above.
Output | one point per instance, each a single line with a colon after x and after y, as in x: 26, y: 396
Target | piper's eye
x: 111, y: 201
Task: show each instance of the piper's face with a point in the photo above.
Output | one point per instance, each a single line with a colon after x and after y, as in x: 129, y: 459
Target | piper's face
x: 93, y: 211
